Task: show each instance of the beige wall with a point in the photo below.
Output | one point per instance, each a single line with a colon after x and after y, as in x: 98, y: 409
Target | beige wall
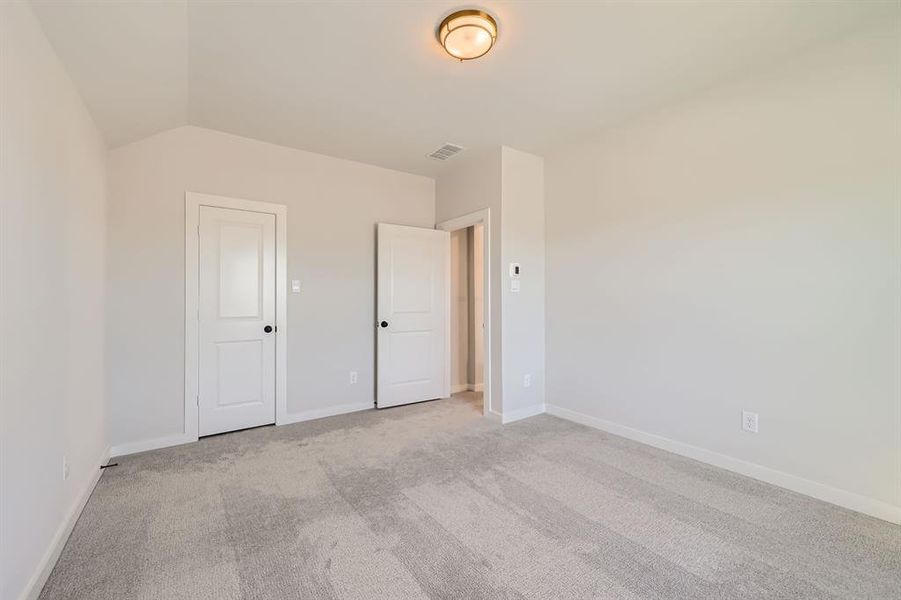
x: 333, y: 206
x: 467, y: 284
x: 460, y: 322
x: 477, y: 305
x: 53, y: 244
x: 742, y: 251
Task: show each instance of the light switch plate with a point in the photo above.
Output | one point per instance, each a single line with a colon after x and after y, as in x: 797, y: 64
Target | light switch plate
x: 514, y: 285
x: 295, y: 286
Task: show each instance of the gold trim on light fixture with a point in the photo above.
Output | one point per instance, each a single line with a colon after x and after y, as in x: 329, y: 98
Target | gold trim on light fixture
x: 467, y: 19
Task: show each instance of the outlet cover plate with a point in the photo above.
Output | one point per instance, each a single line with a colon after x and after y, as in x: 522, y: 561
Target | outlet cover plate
x: 749, y: 421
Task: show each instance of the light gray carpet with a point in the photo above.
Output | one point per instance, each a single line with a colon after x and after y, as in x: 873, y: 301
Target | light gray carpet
x: 433, y: 501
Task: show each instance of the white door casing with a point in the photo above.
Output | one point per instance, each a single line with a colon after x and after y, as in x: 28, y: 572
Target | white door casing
x: 413, y: 315
x: 490, y: 362
x: 237, y: 320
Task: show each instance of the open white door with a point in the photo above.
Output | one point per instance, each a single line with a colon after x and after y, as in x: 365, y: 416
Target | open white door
x: 412, y: 280
x: 237, y: 320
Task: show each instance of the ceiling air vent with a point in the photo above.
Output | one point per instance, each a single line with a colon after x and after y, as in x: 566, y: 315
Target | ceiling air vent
x: 446, y: 151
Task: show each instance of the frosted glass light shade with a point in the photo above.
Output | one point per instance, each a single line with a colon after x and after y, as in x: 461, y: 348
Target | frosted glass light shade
x: 467, y: 34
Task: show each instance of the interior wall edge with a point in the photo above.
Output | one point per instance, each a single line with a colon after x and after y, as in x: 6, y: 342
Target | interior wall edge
x: 48, y: 561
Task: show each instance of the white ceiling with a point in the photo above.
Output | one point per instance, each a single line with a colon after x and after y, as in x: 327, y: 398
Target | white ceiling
x: 367, y: 81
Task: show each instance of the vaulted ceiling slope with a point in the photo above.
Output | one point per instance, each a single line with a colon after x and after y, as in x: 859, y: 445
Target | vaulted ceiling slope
x: 367, y: 81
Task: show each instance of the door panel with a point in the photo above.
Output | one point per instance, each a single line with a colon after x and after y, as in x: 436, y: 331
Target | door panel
x: 240, y: 279
x: 237, y: 301
x: 413, y: 269
x: 239, y: 372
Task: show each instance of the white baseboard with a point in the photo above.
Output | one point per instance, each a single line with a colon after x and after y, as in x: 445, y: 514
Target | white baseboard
x: 48, y: 561
x: 510, y: 416
x: 319, y: 413
x: 154, y: 444
x: 184, y: 438
x: 820, y: 491
x: 477, y: 387
x: 495, y: 416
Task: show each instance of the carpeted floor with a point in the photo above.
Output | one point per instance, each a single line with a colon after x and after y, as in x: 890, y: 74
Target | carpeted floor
x: 433, y: 501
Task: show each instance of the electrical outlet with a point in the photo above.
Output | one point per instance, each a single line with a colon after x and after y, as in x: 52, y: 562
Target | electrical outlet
x: 353, y: 377
x: 526, y: 380
x: 749, y: 421
x: 65, y: 468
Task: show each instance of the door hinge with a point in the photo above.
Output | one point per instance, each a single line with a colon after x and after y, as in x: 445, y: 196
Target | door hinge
x: 198, y: 401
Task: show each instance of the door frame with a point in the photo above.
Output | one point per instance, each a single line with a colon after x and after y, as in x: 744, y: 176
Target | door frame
x: 480, y: 217
x: 193, y: 202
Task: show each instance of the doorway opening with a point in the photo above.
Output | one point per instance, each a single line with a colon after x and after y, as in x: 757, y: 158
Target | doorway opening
x: 467, y: 327
x: 470, y: 348
x: 434, y: 327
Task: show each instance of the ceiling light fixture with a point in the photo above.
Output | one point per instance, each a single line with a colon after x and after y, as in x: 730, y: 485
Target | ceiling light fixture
x: 467, y: 34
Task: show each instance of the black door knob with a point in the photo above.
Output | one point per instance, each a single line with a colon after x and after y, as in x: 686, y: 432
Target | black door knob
x: 268, y: 328
x: 384, y: 323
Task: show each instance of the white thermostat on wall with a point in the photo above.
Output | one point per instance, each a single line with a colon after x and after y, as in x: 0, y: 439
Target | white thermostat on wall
x: 514, y: 270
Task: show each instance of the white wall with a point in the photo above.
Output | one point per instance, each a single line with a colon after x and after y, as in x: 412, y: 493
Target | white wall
x: 741, y: 251
x: 333, y: 206
x: 511, y: 184
x: 474, y: 183
x: 460, y: 325
x: 522, y: 241
x: 53, y: 241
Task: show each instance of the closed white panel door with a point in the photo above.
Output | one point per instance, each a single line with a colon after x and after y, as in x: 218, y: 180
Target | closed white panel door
x: 237, y: 320
x: 413, y: 317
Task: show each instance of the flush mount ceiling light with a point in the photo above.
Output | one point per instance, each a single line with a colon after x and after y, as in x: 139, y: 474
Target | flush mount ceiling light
x: 467, y: 34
